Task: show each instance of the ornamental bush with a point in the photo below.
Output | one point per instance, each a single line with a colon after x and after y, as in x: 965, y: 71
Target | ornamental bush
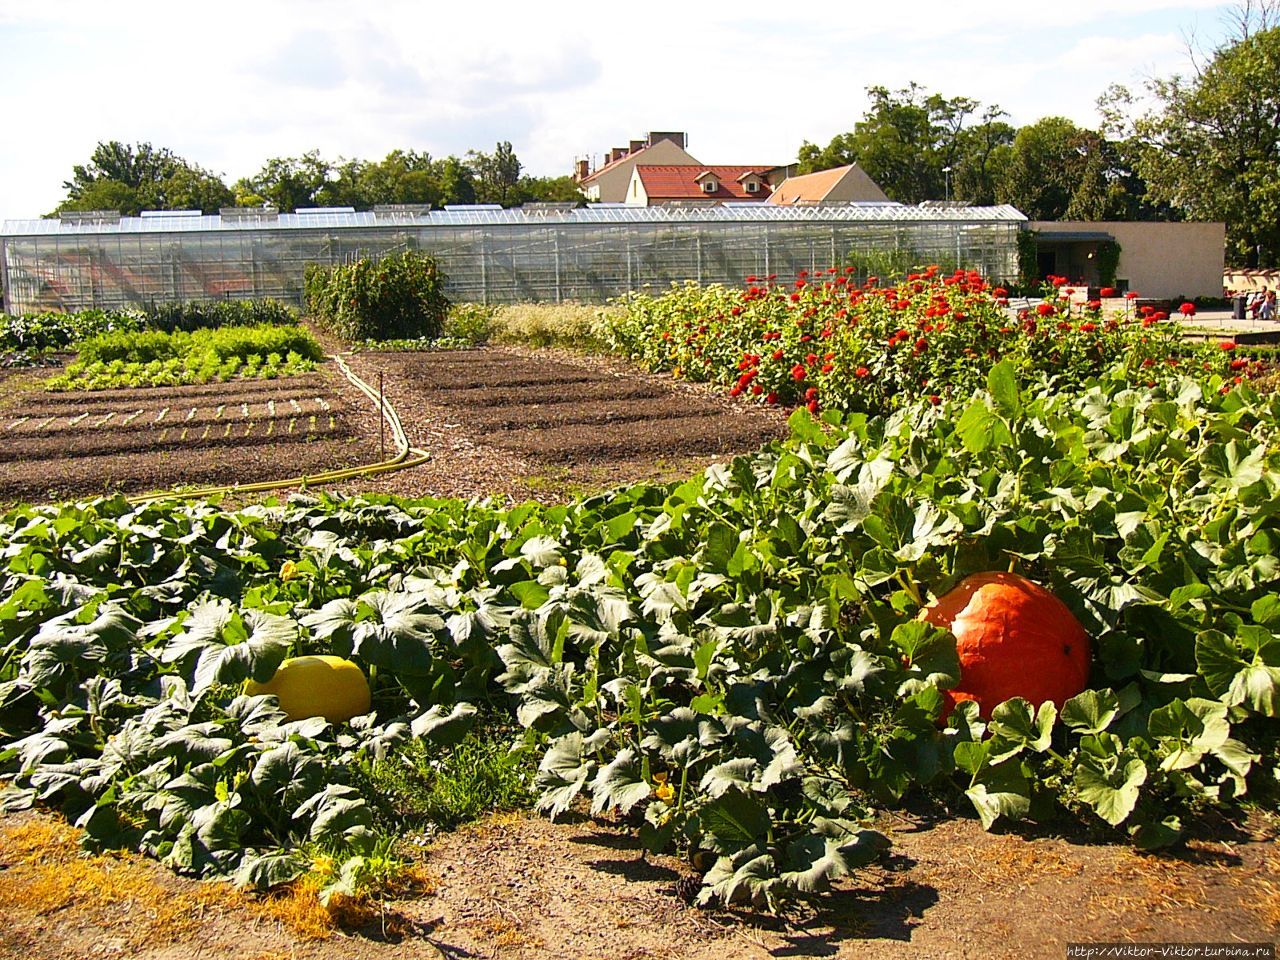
x: 400, y: 296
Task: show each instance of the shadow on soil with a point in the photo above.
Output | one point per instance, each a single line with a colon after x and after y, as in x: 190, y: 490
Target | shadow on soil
x: 885, y: 907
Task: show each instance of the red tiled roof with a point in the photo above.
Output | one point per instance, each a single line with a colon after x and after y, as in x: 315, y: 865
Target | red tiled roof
x: 662, y: 182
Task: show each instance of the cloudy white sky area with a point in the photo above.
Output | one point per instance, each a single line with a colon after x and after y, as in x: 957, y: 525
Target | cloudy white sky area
x: 229, y: 84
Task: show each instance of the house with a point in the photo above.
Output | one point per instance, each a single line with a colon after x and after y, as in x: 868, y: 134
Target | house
x: 611, y: 182
x: 841, y: 185
x: 654, y: 184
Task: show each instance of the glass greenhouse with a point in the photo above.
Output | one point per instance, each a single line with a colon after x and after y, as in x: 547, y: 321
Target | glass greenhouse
x: 489, y: 255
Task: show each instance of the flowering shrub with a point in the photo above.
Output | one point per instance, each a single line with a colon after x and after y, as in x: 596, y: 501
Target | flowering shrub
x: 826, y: 341
x: 397, y: 297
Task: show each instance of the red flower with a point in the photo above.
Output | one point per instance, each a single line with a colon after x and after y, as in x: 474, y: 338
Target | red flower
x: 999, y: 292
x: 935, y: 399
x: 1044, y: 309
x: 1239, y: 364
x: 778, y: 354
x: 1107, y: 292
x: 813, y: 406
x: 1227, y: 345
x: 1088, y: 327
x: 798, y: 372
x: 1131, y: 295
x: 771, y: 398
x: 828, y: 367
x: 1187, y: 309
x: 811, y: 393
x: 862, y: 372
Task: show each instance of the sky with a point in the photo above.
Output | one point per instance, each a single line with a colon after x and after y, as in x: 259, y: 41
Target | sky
x: 231, y: 84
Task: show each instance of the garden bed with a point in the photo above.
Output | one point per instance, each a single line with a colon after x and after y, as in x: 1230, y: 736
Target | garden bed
x: 533, y: 423
x: 58, y: 445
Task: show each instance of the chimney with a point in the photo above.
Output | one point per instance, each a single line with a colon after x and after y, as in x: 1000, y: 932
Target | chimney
x: 617, y: 153
x: 679, y: 138
x: 584, y: 170
x: 636, y: 145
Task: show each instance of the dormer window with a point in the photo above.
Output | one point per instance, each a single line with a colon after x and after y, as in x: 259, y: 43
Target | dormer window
x: 709, y: 186
x: 709, y: 182
x: 752, y: 186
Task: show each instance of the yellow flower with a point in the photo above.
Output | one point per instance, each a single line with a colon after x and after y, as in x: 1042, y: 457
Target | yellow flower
x: 288, y: 570
x: 663, y: 790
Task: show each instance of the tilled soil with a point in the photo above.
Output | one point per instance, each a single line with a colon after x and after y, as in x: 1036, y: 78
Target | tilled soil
x: 545, y: 425
x: 509, y: 422
x: 60, y: 445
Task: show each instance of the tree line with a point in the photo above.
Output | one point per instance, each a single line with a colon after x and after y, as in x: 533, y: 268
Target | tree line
x: 1206, y: 148
x: 135, y: 177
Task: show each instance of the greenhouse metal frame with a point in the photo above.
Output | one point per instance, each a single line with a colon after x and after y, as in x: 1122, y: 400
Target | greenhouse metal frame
x: 488, y: 255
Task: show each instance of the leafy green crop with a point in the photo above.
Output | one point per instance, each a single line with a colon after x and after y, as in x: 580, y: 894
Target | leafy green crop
x: 732, y: 664
x: 153, y: 358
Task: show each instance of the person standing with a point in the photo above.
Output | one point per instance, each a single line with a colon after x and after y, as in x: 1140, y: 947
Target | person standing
x: 1268, y: 309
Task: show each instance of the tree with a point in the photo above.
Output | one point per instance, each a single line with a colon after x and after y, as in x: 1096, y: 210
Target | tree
x: 290, y: 182
x: 913, y: 144
x: 132, y: 178
x: 497, y: 174
x: 550, y: 189
x: 456, y: 182
x: 1213, y: 143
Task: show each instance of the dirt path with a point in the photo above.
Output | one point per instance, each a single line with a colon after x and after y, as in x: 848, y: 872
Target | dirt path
x: 519, y: 887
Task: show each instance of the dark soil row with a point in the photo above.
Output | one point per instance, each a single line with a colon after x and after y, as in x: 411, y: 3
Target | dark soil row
x: 158, y: 469
x: 594, y: 393
x: 571, y: 411
x: 68, y: 444
x: 587, y: 443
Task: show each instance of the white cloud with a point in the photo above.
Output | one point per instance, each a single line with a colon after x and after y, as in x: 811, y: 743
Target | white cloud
x: 231, y: 85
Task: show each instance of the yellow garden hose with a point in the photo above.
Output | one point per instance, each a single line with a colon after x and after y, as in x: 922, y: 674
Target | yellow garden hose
x: 405, y: 456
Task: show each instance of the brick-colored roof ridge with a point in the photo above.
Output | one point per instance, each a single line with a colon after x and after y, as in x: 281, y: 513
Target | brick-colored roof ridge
x: 672, y: 181
x: 811, y: 186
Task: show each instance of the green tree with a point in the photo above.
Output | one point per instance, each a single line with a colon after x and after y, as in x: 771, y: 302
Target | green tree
x: 497, y: 174
x: 290, y: 182
x: 1213, y: 143
x: 456, y: 181
x: 1044, y: 168
x: 550, y: 189
x: 914, y: 143
x: 132, y: 178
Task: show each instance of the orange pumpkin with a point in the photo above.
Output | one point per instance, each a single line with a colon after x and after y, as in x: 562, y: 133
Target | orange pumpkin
x: 1015, y: 639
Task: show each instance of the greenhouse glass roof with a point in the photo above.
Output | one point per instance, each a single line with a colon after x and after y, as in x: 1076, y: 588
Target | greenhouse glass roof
x: 187, y: 221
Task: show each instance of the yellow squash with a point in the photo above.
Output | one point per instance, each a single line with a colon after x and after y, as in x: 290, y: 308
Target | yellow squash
x: 319, y: 686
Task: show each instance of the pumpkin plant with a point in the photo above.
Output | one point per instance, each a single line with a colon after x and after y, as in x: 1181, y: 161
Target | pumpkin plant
x: 734, y: 665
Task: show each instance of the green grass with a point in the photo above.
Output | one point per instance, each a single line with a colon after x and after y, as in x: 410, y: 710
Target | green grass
x: 421, y: 786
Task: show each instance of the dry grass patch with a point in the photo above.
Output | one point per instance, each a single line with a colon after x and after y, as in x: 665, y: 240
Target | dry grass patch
x: 45, y: 873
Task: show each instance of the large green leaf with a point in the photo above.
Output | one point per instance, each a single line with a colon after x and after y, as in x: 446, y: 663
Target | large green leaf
x: 1244, y: 669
